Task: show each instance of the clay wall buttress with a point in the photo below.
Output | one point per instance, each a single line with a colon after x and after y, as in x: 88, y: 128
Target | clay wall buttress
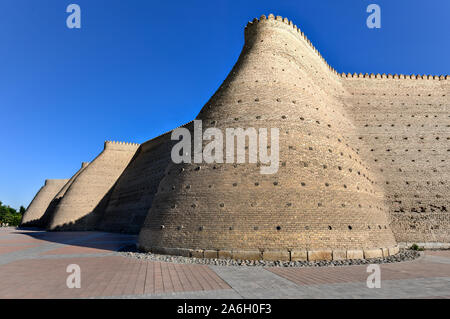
x: 49, y: 212
x: 84, y: 201
x: 41, y: 201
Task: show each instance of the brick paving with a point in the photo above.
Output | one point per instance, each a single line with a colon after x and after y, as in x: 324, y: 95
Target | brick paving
x: 33, y: 265
x: 329, y: 275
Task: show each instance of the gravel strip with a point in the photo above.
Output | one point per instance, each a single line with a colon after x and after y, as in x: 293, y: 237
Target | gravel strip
x: 403, y: 255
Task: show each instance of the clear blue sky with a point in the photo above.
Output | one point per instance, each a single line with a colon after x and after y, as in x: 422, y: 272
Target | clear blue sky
x: 139, y: 68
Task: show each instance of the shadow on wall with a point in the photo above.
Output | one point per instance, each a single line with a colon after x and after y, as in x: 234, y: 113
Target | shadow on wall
x: 89, y: 221
x: 41, y: 201
x: 45, y: 219
x: 134, y: 191
x: 83, y: 224
x: 125, y: 204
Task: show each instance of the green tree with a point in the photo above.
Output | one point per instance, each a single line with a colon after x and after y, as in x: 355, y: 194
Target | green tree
x: 10, y: 216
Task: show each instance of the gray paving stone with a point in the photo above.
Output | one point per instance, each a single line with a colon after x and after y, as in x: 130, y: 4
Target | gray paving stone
x: 260, y: 283
x: 437, y: 259
x: 254, y: 282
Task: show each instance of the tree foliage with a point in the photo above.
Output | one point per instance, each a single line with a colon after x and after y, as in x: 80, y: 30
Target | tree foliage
x: 10, y: 215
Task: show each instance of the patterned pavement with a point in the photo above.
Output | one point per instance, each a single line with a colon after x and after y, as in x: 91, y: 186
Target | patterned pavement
x: 33, y: 264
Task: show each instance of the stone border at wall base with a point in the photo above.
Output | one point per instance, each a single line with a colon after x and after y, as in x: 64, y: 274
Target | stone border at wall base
x: 280, y: 255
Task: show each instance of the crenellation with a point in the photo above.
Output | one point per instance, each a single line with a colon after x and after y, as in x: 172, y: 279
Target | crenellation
x: 395, y: 76
x: 118, y: 145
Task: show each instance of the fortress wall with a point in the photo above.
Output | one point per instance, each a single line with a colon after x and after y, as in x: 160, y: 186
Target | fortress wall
x: 323, y: 196
x: 83, y: 203
x: 41, y: 201
x: 363, y: 158
x: 49, y: 212
x: 134, y: 191
x: 404, y: 124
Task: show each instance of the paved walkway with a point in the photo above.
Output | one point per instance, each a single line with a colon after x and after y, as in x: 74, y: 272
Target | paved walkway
x: 33, y: 264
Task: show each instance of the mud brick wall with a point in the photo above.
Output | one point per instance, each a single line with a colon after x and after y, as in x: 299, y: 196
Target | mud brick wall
x: 84, y: 201
x: 41, y: 201
x: 324, y: 194
x: 363, y: 158
x: 50, y: 211
x: 134, y: 191
x: 403, y: 123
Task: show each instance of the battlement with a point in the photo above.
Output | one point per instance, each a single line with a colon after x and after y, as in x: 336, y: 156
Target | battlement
x: 395, y: 76
x: 121, y: 145
x: 84, y: 164
x: 252, y: 26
